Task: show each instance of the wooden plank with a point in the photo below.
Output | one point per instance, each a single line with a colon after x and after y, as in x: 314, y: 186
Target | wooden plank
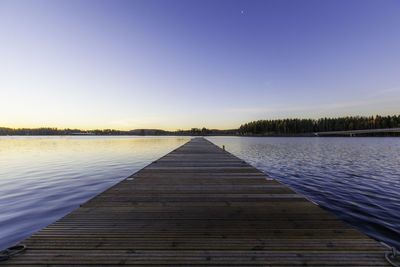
x: 199, y: 206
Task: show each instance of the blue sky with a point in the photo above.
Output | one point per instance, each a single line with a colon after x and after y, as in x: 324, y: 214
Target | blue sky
x: 182, y: 64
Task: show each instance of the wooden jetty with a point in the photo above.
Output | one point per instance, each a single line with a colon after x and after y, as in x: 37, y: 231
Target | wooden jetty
x: 200, y: 206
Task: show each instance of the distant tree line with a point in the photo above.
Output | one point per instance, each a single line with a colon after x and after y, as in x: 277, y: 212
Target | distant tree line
x: 261, y: 127
x: 303, y: 126
x: 204, y: 131
x: 56, y: 131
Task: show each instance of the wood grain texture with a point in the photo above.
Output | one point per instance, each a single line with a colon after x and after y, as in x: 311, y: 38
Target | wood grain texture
x: 199, y: 206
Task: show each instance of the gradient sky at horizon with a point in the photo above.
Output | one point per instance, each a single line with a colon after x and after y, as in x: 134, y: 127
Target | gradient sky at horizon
x: 182, y: 64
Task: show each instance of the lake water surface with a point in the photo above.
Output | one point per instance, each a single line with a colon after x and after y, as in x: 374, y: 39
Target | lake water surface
x: 44, y: 178
x: 355, y: 178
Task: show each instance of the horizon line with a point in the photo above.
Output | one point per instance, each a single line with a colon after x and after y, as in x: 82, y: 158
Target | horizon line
x: 191, y: 128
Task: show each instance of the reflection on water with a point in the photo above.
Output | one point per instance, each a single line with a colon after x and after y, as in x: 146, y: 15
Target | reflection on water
x: 44, y: 178
x: 357, y: 179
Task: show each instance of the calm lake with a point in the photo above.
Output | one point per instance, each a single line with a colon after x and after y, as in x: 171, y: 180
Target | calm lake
x: 44, y: 178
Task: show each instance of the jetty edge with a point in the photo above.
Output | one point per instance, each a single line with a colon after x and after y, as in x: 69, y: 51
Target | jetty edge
x: 199, y: 206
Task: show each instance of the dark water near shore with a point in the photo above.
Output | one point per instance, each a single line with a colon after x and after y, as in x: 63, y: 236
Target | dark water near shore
x: 357, y: 179
x: 44, y: 178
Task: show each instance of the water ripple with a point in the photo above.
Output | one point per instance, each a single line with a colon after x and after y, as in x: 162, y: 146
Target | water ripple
x: 44, y: 178
x: 356, y: 179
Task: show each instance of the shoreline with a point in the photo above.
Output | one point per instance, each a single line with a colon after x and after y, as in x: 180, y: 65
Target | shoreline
x: 216, y: 135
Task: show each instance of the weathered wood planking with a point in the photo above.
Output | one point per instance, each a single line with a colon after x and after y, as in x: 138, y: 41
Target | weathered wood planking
x: 199, y: 205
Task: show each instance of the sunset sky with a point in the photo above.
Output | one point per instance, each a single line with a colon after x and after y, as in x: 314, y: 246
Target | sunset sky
x: 183, y: 64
